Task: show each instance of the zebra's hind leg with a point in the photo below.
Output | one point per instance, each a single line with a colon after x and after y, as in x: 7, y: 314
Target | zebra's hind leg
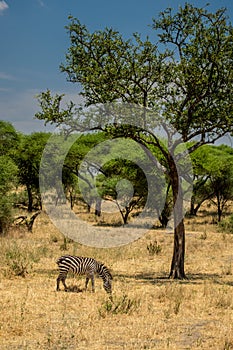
x: 86, y: 283
x: 93, y: 283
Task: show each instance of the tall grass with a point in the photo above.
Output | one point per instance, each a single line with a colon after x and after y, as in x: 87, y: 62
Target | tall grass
x: 18, y: 259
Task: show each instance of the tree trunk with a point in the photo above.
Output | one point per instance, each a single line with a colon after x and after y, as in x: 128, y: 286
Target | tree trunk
x: 98, y: 207
x: 194, y: 209
x: 32, y: 220
x: 30, y: 198
x: 177, y: 266
x: 126, y: 215
x: 72, y: 200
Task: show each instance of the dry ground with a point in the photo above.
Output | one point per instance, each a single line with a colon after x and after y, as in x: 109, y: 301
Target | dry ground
x: 148, y: 310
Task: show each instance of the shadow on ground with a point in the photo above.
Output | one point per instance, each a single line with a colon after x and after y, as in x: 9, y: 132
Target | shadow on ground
x: 199, y: 278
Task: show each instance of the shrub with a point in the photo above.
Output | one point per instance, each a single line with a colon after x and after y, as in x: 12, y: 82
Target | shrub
x: 5, y: 214
x: 8, y: 176
x: 19, y: 260
x: 154, y: 248
x: 227, y: 225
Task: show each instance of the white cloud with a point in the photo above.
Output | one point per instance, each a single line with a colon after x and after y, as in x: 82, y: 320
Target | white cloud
x: 19, y: 108
x: 5, y: 76
x: 3, y: 6
x: 4, y: 89
x: 41, y: 3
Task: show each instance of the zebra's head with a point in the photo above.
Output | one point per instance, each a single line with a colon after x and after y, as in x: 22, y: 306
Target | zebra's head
x: 108, y: 285
x: 107, y: 279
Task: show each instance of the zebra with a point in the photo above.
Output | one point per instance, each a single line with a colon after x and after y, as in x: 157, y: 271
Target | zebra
x: 83, y: 266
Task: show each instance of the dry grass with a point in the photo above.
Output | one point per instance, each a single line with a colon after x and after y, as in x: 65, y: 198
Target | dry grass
x: 148, y: 310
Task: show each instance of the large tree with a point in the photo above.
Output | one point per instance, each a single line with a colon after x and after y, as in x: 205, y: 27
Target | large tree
x: 188, y: 82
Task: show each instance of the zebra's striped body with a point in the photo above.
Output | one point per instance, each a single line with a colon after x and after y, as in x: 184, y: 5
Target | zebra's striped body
x: 83, y: 266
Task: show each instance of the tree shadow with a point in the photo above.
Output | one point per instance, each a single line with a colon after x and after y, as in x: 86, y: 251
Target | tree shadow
x: 195, y: 279
x: 155, y: 279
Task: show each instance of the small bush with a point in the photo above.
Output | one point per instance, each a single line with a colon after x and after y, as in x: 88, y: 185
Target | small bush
x: 19, y: 260
x: 203, y: 236
x: 64, y: 245
x: 53, y: 238
x: 227, y: 225
x: 154, y: 248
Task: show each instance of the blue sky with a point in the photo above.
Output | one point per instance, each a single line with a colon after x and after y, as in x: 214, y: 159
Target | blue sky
x: 34, y: 42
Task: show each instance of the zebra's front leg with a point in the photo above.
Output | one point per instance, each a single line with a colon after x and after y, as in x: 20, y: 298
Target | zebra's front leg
x: 58, y: 283
x: 64, y: 283
x: 61, y: 278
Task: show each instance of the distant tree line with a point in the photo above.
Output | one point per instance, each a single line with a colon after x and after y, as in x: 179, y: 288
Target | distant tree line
x: 20, y: 157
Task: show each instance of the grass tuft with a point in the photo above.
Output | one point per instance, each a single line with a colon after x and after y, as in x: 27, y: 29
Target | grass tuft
x: 154, y: 248
x: 120, y: 305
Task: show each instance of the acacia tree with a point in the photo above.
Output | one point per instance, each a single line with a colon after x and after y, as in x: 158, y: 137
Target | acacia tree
x: 114, y: 183
x: 72, y: 166
x: 28, y: 160
x: 220, y: 169
x: 212, y: 177
x: 190, y: 83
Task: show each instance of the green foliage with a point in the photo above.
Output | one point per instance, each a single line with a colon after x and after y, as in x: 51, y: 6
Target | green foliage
x: 8, y: 179
x: 51, y: 106
x: 72, y: 175
x: 20, y: 198
x: 105, y: 64
x: 125, y: 183
x: 190, y: 72
x: 7, y: 175
x: 28, y: 160
x: 196, y: 83
x: 227, y: 225
x: 9, y: 138
x: 213, y: 177
x: 5, y: 214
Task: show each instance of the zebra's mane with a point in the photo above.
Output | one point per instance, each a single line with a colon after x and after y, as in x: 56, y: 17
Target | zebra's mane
x: 103, y: 268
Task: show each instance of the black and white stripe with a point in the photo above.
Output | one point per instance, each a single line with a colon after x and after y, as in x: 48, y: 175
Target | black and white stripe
x: 83, y: 266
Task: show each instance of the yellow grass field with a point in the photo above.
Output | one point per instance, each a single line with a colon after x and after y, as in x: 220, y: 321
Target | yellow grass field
x: 148, y: 311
